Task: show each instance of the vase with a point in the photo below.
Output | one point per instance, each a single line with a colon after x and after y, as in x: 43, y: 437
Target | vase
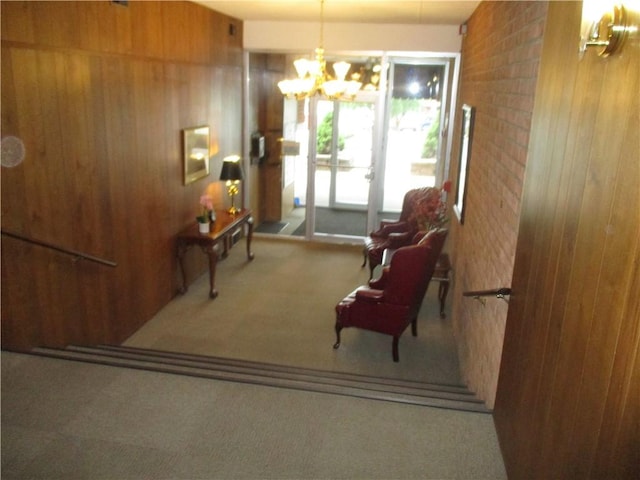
x: 203, y: 227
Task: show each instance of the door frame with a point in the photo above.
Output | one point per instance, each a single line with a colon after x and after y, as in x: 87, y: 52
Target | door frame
x: 365, y: 97
x: 451, y: 65
x: 451, y: 60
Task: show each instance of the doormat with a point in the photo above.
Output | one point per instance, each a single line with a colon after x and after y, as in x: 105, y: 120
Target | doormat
x: 270, y: 227
x: 337, y: 221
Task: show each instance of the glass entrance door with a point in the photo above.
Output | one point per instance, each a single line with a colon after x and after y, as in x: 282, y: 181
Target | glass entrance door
x: 361, y: 157
x: 343, y: 166
x: 415, y: 109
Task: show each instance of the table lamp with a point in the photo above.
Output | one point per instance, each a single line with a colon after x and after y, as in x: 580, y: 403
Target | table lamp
x: 232, y: 174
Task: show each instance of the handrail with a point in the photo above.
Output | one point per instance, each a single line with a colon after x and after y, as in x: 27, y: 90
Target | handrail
x: 498, y: 292
x: 74, y: 253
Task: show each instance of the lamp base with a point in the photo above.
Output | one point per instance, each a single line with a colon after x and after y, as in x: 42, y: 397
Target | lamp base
x: 233, y: 190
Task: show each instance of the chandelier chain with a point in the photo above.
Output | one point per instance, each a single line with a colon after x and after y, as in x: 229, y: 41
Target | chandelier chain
x: 322, y: 24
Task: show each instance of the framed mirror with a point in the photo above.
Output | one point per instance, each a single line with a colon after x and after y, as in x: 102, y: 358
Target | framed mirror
x: 195, y: 148
x: 466, y: 137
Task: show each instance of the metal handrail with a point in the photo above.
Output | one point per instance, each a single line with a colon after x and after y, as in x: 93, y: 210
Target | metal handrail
x: 74, y: 253
x: 497, y: 292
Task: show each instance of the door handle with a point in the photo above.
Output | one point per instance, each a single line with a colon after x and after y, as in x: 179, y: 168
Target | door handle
x: 370, y: 175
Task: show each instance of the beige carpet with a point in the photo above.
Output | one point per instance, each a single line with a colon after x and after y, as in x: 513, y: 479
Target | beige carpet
x: 279, y: 309
x: 70, y: 420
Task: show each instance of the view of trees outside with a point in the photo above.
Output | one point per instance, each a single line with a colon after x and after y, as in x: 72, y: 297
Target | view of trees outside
x: 412, y: 143
x: 354, y: 143
x: 421, y: 115
x: 325, y: 135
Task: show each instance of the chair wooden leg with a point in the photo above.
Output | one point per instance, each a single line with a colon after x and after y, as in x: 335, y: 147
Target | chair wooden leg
x: 394, y: 349
x: 364, y: 254
x: 371, y: 269
x: 373, y: 263
x: 443, y: 289
x: 338, y: 329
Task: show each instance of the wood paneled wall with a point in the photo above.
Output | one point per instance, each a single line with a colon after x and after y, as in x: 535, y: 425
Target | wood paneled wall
x: 568, y: 402
x: 266, y: 107
x: 99, y: 93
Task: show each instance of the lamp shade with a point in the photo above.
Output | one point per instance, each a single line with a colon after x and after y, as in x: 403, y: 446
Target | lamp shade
x: 231, y: 169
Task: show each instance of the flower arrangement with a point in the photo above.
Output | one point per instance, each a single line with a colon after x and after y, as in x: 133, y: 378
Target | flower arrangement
x: 431, y: 212
x: 207, y: 207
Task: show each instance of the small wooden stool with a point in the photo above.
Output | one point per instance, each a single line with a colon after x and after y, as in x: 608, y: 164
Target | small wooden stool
x: 441, y: 274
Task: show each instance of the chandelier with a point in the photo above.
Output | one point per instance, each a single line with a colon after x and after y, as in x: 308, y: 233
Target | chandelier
x: 313, y: 77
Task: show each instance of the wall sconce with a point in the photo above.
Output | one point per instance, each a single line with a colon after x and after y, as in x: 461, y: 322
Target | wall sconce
x: 232, y: 173
x: 604, y: 25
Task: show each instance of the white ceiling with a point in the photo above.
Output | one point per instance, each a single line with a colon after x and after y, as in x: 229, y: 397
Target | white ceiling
x: 416, y: 12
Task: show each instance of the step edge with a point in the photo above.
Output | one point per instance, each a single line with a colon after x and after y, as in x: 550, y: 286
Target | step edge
x: 464, y: 395
x: 295, y: 385
x: 454, y: 388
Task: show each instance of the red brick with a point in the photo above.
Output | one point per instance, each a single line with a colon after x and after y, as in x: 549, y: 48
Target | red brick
x: 500, y: 57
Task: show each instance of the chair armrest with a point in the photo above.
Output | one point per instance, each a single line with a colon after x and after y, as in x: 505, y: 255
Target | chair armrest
x: 369, y: 295
x: 386, y: 221
x: 380, y: 282
x: 419, y: 236
x: 397, y: 240
x: 387, y: 229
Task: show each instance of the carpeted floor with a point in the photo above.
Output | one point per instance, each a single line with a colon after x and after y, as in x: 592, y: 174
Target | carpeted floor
x: 279, y: 309
x: 70, y: 420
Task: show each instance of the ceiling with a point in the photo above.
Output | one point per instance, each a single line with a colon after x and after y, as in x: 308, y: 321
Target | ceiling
x: 451, y: 12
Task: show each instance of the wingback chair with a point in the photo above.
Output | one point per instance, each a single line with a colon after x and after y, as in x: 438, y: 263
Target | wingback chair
x: 398, y: 233
x: 390, y: 303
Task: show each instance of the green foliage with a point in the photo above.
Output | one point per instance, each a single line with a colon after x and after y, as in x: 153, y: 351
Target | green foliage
x: 325, y: 131
x: 430, y: 147
x: 401, y: 106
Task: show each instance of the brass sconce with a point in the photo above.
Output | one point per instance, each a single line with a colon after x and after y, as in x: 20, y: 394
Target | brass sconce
x: 607, y: 30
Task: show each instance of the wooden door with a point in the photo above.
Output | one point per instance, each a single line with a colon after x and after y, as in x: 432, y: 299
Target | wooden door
x: 568, y: 400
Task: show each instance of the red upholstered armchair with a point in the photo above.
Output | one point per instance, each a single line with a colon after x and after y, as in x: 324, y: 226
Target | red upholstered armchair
x: 400, y: 233
x: 389, y: 304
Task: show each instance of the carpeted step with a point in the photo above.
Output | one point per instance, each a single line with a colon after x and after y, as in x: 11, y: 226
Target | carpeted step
x: 361, y: 386
x: 286, y: 369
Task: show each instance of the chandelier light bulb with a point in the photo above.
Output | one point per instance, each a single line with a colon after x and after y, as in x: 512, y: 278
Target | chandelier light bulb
x: 313, y: 77
x: 302, y: 67
x: 341, y: 69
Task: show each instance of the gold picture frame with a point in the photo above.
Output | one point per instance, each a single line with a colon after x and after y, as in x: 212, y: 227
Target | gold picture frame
x: 195, y: 148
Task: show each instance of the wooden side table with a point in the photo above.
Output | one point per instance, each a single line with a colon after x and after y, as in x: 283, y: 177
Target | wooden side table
x: 221, y: 230
x: 441, y: 274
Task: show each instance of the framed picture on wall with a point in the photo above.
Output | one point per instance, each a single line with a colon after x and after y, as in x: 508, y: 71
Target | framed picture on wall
x: 195, y: 148
x: 466, y: 138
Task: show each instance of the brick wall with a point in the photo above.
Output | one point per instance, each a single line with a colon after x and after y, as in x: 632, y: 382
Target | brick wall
x: 500, y: 57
